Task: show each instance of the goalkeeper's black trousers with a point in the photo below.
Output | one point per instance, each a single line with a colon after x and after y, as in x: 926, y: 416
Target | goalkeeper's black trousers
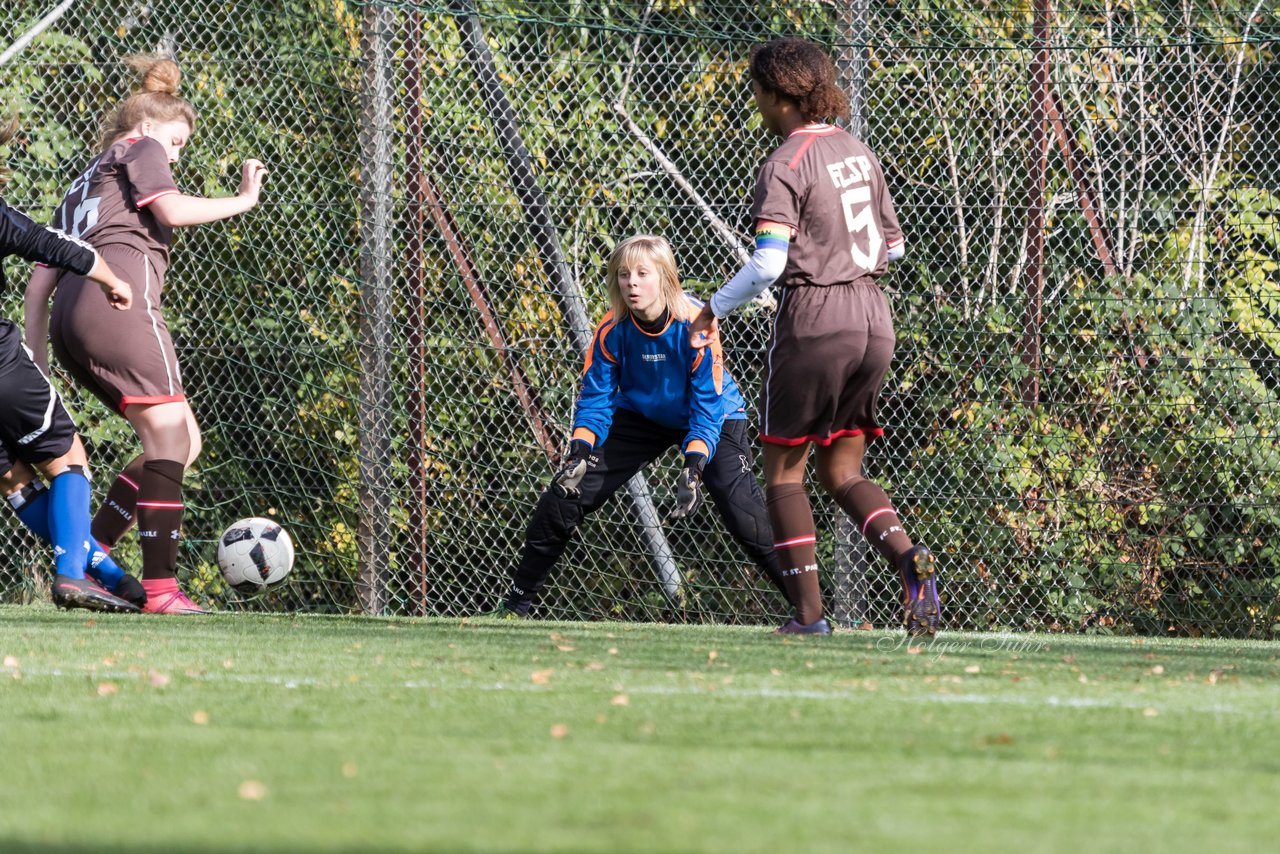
x: 633, y: 442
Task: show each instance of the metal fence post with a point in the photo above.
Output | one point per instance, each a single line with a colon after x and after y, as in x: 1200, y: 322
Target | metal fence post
x: 377, y: 175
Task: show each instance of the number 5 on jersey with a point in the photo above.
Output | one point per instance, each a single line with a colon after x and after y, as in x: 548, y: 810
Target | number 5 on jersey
x: 859, y: 217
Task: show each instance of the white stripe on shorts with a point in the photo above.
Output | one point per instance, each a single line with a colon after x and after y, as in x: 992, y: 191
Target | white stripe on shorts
x: 48, y: 410
x: 155, y: 325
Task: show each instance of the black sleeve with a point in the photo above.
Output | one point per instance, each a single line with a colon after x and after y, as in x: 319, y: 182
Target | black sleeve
x: 20, y: 236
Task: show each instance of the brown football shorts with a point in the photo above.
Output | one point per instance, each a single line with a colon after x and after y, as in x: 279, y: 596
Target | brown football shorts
x: 825, y: 364
x: 122, y: 357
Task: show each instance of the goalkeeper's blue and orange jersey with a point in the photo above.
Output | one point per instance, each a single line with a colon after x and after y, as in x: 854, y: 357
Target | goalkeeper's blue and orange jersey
x: 657, y: 375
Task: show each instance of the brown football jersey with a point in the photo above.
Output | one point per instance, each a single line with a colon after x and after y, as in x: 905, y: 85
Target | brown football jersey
x: 829, y: 187
x: 107, y: 204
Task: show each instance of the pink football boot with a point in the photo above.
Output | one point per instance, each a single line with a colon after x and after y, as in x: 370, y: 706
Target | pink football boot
x: 165, y: 597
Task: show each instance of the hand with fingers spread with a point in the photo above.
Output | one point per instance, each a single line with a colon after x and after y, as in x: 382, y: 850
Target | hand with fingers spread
x: 567, y: 480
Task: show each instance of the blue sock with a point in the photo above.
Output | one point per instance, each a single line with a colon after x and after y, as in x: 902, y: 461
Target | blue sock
x: 31, y: 505
x: 69, y: 521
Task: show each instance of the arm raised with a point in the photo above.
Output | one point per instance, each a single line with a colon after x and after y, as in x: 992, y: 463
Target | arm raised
x: 175, y: 210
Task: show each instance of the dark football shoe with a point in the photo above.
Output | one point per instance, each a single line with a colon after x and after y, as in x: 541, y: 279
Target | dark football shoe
x: 84, y: 593
x: 502, y: 612
x: 131, y: 590
x: 923, y: 612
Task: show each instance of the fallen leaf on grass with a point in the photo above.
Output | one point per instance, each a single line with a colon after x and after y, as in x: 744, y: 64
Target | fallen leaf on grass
x: 593, y: 665
x: 251, y: 790
x: 541, y: 677
x: 1150, y: 712
x: 349, y: 770
x: 973, y: 668
x: 10, y: 661
x: 712, y: 656
x: 559, y: 731
x: 620, y: 700
x: 914, y: 650
x: 998, y: 739
x: 106, y: 689
x: 157, y: 679
x: 613, y: 650
x: 1158, y: 669
x: 566, y: 648
x: 200, y: 718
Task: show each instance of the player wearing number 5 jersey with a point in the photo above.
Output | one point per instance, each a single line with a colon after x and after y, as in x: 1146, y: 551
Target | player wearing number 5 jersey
x: 826, y: 230
x: 126, y: 204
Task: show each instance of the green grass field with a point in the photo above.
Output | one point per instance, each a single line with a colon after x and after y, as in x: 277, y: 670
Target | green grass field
x: 289, y: 733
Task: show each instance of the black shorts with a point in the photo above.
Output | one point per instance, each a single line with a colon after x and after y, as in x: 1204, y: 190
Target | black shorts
x: 827, y: 357
x: 34, y: 425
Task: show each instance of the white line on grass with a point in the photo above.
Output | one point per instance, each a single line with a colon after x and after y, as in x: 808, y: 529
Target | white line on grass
x: 1011, y: 699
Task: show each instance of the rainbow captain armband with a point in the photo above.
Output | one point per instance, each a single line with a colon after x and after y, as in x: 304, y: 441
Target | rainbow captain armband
x: 771, y: 235
x: 773, y: 241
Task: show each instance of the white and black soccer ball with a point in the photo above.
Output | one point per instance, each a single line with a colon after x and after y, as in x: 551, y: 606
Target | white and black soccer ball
x: 255, y: 554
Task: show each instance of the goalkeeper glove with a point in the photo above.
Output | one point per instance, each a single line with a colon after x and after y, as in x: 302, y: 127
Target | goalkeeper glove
x: 689, y: 487
x: 570, y: 475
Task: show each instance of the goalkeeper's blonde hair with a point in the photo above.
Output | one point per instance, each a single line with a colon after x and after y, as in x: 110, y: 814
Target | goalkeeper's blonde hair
x: 657, y: 251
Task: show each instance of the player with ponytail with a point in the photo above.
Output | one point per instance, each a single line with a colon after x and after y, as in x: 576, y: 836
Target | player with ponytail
x: 126, y: 204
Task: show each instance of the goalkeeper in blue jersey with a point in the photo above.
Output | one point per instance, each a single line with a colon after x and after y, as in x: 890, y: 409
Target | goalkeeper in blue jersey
x: 645, y: 389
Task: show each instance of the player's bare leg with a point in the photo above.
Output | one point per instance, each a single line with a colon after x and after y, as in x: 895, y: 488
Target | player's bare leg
x: 839, y: 468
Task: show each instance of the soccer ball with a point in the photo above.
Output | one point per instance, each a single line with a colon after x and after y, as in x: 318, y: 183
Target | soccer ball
x: 255, y: 554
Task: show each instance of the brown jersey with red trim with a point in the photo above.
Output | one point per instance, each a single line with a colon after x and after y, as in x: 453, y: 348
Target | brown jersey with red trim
x: 107, y: 204
x: 829, y: 187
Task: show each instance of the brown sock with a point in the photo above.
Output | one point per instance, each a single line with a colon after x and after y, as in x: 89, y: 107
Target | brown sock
x: 160, y: 517
x: 117, y: 514
x: 794, y: 540
x: 869, y: 507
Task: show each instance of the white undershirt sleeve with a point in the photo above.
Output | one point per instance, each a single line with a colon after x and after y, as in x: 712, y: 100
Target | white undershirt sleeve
x: 764, y: 268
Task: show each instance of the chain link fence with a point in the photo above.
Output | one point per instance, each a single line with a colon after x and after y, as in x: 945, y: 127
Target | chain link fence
x: 1082, y: 415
